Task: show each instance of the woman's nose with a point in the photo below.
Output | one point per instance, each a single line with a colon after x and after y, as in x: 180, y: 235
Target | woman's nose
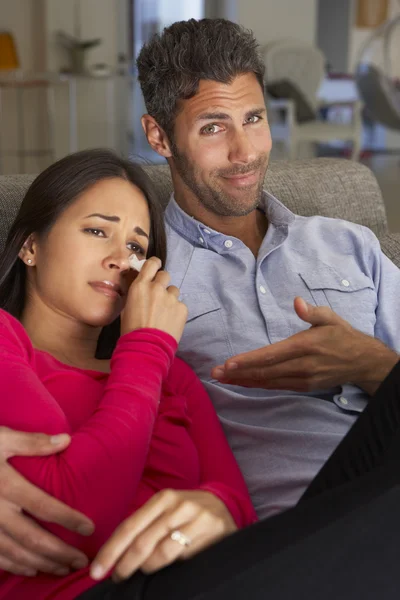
x: 119, y: 260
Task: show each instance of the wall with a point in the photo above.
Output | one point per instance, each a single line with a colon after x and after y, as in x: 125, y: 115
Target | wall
x: 34, y: 24
x: 360, y: 35
x: 25, y: 19
x: 274, y: 19
x: 334, y: 23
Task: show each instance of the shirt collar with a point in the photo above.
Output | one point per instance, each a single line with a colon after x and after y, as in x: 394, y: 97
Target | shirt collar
x: 200, y: 235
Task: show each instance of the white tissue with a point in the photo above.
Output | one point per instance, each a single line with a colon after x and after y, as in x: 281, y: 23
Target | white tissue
x: 135, y: 263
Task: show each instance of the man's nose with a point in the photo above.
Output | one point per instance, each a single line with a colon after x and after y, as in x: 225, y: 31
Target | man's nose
x: 242, y: 150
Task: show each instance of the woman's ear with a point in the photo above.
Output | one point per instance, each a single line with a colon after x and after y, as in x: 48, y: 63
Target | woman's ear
x: 28, y: 251
x: 156, y: 136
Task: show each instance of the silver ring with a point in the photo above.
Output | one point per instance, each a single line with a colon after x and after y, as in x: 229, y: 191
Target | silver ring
x: 181, y: 538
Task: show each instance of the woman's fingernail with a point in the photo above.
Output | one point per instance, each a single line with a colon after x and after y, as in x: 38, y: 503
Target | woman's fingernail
x: 85, y: 529
x: 96, y: 571
x: 56, y: 440
x: 218, y: 373
x: 79, y: 563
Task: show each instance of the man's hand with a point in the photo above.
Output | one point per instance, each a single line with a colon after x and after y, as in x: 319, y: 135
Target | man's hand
x: 143, y: 541
x: 25, y: 547
x: 330, y: 353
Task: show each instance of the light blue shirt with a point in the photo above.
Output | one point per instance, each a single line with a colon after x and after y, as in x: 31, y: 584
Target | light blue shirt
x: 238, y: 303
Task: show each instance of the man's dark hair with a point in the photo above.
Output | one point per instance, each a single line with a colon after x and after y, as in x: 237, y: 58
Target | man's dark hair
x: 172, y: 63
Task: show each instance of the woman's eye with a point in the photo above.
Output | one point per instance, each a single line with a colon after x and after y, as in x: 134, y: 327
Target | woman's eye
x: 210, y: 129
x: 136, y: 249
x: 96, y: 232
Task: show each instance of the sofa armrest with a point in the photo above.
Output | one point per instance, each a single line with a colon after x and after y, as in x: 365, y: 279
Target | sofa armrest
x: 390, y: 244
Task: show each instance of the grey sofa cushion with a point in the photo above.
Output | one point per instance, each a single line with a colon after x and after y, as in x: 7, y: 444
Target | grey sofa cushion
x: 329, y: 187
x: 323, y: 186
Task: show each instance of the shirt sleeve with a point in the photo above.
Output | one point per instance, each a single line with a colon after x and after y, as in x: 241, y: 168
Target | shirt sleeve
x: 386, y: 277
x: 219, y: 471
x: 99, y: 471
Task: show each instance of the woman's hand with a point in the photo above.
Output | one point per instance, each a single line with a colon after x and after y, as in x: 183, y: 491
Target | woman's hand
x: 144, y: 539
x: 151, y: 302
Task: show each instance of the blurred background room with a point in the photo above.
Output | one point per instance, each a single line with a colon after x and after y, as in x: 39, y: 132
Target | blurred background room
x: 68, y: 78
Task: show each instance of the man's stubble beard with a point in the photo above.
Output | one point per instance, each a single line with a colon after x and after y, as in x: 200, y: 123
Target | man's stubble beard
x: 214, y: 198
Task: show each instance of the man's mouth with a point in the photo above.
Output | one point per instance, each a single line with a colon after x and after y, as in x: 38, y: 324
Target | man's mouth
x: 243, y: 179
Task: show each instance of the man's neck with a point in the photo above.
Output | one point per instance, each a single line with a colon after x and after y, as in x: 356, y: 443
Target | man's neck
x: 250, y: 229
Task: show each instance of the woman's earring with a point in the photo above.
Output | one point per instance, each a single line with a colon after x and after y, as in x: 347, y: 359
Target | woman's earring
x: 29, y: 261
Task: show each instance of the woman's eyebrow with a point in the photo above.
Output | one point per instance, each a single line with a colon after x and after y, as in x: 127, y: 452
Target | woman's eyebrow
x: 112, y: 218
x: 115, y: 219
x: 140, y: 231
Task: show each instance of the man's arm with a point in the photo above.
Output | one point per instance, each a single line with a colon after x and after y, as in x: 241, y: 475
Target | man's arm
x: 25, y: 547
x: 330, y: 353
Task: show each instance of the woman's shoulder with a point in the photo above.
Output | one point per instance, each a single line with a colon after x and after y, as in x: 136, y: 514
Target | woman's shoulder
x: 13, y: 336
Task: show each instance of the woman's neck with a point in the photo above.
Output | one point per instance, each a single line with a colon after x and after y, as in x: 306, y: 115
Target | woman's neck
x: 69, y: 341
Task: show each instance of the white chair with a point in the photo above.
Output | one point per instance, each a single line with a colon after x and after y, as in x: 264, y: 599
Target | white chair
x: 295, y: 71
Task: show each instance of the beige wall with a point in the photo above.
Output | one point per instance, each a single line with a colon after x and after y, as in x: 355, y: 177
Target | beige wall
x: 274, y: 19
x: 34, y: 24
x: 96, y: 19
x: 25, y: 19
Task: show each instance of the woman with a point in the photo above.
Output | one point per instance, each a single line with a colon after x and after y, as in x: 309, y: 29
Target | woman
x: 148, y: 461
x: 140, y: 422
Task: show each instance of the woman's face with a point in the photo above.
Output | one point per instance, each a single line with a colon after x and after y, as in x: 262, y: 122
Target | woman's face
x: 80, y: 268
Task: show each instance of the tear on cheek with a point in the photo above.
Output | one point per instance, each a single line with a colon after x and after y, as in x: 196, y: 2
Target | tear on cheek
x: 135, y: 263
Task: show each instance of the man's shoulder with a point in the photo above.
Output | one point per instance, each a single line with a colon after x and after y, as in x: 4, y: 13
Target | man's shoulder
x: 331, y: 231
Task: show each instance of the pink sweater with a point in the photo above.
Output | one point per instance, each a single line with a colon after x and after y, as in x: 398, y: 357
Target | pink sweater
x: 146, y: 426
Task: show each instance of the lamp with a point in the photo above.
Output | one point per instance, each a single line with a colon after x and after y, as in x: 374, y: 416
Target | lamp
x: 8, y: 52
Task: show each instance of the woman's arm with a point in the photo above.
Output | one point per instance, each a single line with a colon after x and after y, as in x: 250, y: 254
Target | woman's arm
x: 220, y: 473
x: 201, y: 516
x: 99, y: 471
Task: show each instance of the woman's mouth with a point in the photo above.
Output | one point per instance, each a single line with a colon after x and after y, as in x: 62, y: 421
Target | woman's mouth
x: 108, y: 288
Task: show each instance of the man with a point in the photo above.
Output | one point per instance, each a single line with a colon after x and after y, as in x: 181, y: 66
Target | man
x: 241, y: 258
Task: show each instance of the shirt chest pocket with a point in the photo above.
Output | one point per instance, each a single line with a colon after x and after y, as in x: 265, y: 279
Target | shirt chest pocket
x: 352, y: 298
x: 205, y: 343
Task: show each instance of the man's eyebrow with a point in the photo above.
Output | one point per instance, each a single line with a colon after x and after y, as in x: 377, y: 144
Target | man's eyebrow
x: 115, y: 219
x: 256, y: 111
x: 219, y: 116
x: 213, y: 116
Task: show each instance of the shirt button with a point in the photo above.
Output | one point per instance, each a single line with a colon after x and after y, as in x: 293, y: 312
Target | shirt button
x: 228, y: 244
x: 262, y: 289
x: 343, y: 401
x: 201, y: 240
x: 345, y: 282
x: 206, y: 231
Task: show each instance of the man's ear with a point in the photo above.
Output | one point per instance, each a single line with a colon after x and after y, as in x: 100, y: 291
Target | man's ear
x: 28, y: 251
x: 156, y: 136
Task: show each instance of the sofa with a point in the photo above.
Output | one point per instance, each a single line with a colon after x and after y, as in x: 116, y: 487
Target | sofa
x: 330, y: 187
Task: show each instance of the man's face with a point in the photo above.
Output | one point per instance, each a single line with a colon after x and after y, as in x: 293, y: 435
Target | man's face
x: 221, y: 147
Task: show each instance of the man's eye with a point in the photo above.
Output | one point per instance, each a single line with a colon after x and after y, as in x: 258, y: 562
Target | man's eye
x: 210, y: 129
x: 253, y: 119
x: 93, y: 231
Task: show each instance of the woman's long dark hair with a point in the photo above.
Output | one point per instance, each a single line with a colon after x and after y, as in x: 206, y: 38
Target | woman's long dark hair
x: 47, y: 197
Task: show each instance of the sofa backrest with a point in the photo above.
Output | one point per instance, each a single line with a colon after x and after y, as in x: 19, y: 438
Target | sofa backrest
x: 329, y: 187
